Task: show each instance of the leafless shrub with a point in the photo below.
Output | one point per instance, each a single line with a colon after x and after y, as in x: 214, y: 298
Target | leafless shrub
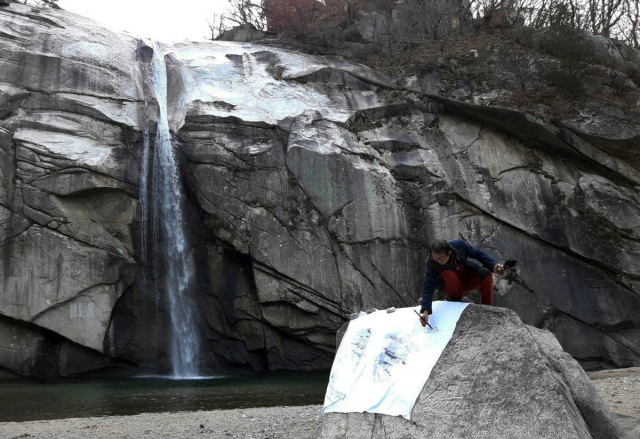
x: 520, y: 64
x: 246, y: 12
x: 42, y: 3
x: 610, y: 18
x: 217, y: 26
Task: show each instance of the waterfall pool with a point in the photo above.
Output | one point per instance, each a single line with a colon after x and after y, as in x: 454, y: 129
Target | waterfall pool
x: 78, y: 398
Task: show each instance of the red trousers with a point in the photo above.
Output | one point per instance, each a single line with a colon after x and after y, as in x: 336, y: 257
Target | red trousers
x: 457, y: 284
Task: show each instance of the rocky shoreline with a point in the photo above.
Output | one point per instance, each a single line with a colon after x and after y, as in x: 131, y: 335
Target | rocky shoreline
x: 620, y: 389
x: 264, y: 422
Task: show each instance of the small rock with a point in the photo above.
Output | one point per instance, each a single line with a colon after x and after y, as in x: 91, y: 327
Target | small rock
x: 390, y: 310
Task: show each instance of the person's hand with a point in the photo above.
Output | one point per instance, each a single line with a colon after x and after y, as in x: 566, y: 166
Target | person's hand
x: 425, y: 318
x: 499, y: 270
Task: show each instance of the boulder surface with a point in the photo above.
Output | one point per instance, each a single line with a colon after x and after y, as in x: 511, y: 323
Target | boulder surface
x: 497, y: 378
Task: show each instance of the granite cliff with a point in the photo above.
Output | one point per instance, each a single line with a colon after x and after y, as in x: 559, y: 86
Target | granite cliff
x: 313, y: 186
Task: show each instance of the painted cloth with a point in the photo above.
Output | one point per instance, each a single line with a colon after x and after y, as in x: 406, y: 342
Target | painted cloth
x: 462, y: 251
x: 385, y: 359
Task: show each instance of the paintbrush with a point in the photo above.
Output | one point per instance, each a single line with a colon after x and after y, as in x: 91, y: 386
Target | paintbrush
x: 422, y: 318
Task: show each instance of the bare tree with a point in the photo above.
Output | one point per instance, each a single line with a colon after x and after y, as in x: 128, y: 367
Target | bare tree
x: 520, y: 65
x: 42, y: 3
x: 545, y: 13
x: 247, y: 12
x: 631, y: 23
x: 604, y: 15
x: 610, y: 18
x: 430, y: 19
x: 217, y: 26
x: 385, y: 34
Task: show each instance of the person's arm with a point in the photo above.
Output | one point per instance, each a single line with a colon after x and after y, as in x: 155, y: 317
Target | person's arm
x: 428, y: 287
x: 479, y: 255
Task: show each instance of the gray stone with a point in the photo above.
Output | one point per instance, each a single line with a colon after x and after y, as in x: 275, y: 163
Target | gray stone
x: 27, y: 350
x: 610, y: 129
x: 70, y: 299
x: 384, y: 138
x: 497, y: 378
x: 243, y: 33
x: 600, y: 421
x: 21, y: 349
x: 629, y: 425
x: 75, y: 360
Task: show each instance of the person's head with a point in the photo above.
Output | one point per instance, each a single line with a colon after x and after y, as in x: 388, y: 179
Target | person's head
x: 440, y: 251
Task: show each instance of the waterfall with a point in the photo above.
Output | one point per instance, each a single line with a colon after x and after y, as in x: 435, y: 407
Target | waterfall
x: 144, y: 202
x: 162, y: 230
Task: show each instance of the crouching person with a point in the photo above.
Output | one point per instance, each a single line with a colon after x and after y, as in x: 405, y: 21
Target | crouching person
x: 449, y: 270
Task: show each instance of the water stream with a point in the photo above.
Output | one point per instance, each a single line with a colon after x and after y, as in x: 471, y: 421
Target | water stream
x: 162, y: 197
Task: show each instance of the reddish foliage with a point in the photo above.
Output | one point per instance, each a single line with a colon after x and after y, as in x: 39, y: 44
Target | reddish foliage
x: 341, y: 12
x: 290, y: 15
x: 299, y: 16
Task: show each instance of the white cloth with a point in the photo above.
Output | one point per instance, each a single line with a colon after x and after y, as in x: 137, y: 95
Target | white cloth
x: 385, y: 359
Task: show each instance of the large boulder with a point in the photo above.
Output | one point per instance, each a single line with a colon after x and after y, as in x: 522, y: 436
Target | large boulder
x: 243, y: 33
x: 497, y: 378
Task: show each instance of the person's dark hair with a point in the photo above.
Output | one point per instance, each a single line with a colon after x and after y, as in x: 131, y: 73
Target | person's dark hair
x: 439, y: 246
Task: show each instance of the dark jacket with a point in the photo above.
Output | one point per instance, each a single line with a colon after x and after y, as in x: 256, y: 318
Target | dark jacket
x: 432, y: 279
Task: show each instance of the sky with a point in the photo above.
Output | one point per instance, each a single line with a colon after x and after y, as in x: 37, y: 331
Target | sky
x: 161, y: 20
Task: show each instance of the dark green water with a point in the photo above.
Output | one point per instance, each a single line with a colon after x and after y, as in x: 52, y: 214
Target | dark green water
x: 70, y: 398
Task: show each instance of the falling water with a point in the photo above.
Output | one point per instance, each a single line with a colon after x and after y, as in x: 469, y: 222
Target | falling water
x: 162, y: 197
x: 144, y: 186
x: 144, y: 201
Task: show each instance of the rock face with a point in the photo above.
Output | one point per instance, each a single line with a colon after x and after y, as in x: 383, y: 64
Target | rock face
x: 243, y: 33
x: 313, y: 186
x: 68, y: 189
x: 497, y: 378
